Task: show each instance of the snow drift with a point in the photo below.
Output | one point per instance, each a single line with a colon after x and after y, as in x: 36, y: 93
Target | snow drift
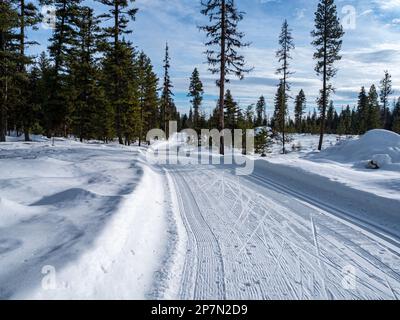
x: 381, y: 146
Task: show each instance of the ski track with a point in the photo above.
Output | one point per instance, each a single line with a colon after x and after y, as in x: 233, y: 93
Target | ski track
x: 249, y: 238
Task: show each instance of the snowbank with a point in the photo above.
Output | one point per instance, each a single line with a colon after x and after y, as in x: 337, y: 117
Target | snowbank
x: 84, y: 210
x: 379, y: 145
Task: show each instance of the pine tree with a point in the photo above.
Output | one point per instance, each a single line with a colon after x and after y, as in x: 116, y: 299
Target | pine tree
x: 148, y: 98
x: 248, y: 118
x: 261, y: 107
x: 8, y: 62
x: 120, y: 12
x: 327, y: 36
x: 61, y: 42
x: 262, y: 143
x: 223, y: 33
x: 44, y: 84
x: 196, y: 93
x: 231, y: 111
x: 385, y: 92
x: 299, y: 109
x: 28, y: 17
x: 330, y: 118
x: 88, y: 95
x: 119, y: 84
x: 168, y: 109
x: 32, y: 118
x: 280, y: 113
x: 396, y: 117
x: 362, y: 112
x: 284, y: 56
x: 373, y: 121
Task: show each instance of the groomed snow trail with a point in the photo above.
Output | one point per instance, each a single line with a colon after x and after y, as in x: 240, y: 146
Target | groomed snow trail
x: 257, y: 238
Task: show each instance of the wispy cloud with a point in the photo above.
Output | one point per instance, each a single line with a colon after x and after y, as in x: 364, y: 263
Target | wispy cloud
x: 368, y: 50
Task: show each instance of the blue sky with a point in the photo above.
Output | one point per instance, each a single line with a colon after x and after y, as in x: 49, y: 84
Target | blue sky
x: 371, y: 45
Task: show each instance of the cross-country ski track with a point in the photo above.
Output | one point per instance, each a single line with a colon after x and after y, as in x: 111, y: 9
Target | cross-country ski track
x: 264, y: 237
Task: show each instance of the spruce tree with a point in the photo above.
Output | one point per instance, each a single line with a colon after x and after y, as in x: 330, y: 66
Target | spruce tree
x: 8, y: 62
x: 120, y: 13
x: 284, y: 57
x: 396, y: 117
x: 60, y: 45
x: 88, y: 95
x: 299, y: 109
x: 280, y: 114
x: 196, y: 93
x: 28, y: 17
x: 260, y: 112
x: 167, y: 105
x: 385, y: 92
x: 362, y: 112
x: 231, y: 111
x: 224, y: 41
x: 330, y: 118
x: 373, y: 121
x: 147, y: 89
x: 262, y: 143
x: 327, y: 36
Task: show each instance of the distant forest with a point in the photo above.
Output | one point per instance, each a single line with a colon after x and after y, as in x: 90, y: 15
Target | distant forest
x: 93, y: 84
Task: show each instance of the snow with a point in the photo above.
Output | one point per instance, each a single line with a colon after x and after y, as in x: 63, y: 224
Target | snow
x: 85, y: 210
x: 379, y: 145
x: 284, y: 234
x: 344, y: 160
x: 114, y: 226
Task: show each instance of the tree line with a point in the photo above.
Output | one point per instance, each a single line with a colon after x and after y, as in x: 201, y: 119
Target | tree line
x: 93, y: 83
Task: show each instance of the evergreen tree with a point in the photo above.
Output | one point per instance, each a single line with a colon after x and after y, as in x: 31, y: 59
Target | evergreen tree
x: 330, y: 116
x: 28, y: 17
x: 249, y: 120
x: 373, y: 121
x: 362, y: 112
x: 32, y: 118
x: 119, y: 83
x: 231, y: 111
x: 262, y: 143
x: 327, y: 35
x: 120, y: 12
x: 284, y: 56
x: 88, y: 95
x: 385, y: 92
x: 196, y: 94
x: 61, y: 43
x: 9, y: 64
x: 299, y: 108
x: 168, y: 109
x: 223, y: 33
x: 346, y: 118
x: 396, y: 117
x: 261, y: 107
x: 280, y: 114
x: 148, y: 98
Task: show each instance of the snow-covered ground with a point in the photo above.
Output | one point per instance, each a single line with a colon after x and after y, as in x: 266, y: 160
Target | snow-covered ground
x: 94, y: 213
x: 344, y: 160
x: 305, y: 225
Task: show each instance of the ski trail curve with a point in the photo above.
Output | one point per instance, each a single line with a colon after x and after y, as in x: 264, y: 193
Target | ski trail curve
x: 249, y: 238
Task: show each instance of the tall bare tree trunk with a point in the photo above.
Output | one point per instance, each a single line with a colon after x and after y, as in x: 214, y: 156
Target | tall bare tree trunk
x: 222, y: 78
x: 324, y: 98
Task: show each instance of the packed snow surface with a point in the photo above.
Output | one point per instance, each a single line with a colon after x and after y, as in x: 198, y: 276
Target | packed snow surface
x: 92, y: 213
x: 305, y: 225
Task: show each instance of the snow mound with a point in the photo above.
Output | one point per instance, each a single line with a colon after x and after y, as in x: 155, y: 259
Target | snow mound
x: 381, y: 146
x: 11, y: 212
x: 65, y: 198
